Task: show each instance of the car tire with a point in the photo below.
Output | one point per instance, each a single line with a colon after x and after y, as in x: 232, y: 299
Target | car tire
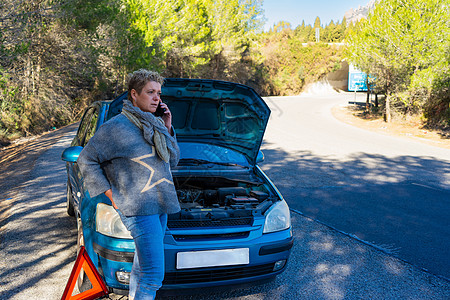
x: 83, y: 281
x: 69, y: 200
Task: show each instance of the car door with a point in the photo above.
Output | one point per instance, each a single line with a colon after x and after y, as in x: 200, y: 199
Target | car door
x: 86, y: 130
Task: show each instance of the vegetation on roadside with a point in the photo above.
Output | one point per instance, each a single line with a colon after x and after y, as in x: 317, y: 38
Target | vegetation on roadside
x: 405, y: 46
x: 292, y: 58
x: 57, y: 56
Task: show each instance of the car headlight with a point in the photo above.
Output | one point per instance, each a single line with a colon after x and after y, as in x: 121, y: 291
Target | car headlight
x: 108, y: 222
x: 278, y: 217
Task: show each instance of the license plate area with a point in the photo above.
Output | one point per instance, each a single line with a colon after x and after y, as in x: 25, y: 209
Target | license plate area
x: 212, y: 258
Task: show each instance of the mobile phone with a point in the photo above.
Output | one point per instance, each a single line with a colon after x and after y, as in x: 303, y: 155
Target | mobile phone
x: 159, y: 111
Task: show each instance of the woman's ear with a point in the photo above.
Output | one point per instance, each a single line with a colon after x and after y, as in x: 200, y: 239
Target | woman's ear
x: 133, y: 94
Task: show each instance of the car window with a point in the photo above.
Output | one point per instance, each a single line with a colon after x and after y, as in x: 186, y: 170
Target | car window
x: 87, y: 127
x: 115, y: 107
x: 83, y: 126
x: 92, y: 126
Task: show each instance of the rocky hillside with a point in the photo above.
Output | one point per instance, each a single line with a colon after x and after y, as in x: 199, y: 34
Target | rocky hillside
x: 354, y: 15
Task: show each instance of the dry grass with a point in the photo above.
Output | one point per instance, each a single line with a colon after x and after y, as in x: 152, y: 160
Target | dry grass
x: 408, y: 127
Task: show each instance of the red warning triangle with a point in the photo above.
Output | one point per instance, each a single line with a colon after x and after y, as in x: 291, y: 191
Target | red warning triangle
x: 98, y: 289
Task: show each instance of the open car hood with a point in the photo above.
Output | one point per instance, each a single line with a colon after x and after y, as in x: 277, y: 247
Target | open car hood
x: 215, y: 112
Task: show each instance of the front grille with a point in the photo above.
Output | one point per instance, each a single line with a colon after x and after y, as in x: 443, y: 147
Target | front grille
x: 172, y: 224
x: 224, y: 236
x: 217, y: 274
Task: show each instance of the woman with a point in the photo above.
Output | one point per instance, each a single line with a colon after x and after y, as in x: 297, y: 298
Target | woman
x: 129, y: 160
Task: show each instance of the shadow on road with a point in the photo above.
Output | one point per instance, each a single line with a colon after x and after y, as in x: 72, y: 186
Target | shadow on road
x: 348, y: 195
x: 325, y: 264
x: 16, y: 162
x: 400, y: 204
x: 37, y: 245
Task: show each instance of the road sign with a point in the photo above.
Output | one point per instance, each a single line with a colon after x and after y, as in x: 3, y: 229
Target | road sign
x: 356, y: 80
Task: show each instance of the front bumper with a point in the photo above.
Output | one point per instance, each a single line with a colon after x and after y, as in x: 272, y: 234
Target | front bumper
x: 268, y: 258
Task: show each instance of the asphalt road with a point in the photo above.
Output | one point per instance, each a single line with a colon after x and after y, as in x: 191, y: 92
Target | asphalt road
x: 38, y: 239
x: 388, y: 191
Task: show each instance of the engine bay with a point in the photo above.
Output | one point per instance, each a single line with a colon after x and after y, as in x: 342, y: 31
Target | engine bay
x: 219, y: 198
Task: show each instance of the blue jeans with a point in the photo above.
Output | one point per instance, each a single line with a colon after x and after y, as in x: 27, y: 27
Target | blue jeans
x: 147, y: 272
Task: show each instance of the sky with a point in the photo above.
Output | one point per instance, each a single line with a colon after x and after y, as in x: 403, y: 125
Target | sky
x: 294, y: 11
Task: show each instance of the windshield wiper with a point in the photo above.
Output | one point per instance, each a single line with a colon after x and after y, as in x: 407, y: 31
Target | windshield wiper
x: 197, y: 161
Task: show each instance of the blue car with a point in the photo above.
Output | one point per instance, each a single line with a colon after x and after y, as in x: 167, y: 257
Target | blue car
x: 234, y: 226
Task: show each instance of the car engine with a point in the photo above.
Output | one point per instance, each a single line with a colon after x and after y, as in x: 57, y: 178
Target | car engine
x: 217, y: 199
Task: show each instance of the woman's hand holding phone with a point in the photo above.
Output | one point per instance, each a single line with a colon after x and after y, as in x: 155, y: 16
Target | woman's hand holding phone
x: 164, y: 112
x: 159, y: 110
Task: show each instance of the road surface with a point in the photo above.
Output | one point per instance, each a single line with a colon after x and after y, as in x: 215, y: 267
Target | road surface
x: 38, y: 239
x: 389, y: 191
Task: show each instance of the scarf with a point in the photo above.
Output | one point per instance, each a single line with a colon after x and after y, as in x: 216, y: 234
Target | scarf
x: 153, y: 128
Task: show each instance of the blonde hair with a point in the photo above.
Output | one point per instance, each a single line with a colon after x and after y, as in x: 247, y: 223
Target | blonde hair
x: 138, y: 79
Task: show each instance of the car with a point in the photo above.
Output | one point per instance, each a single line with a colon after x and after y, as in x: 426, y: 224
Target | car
x: 234, y: 227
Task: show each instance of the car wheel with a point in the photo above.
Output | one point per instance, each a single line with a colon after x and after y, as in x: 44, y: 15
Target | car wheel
x: 69, y: 200
x: 83, y: 281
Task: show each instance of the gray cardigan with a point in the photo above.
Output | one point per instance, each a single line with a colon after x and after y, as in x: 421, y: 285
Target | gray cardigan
x: 118, y: 157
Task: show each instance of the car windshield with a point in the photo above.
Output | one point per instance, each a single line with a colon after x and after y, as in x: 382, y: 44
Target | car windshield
x: 199, y: 153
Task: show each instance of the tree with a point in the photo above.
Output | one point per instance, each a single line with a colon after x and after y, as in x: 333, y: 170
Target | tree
x: 343, y: 29
x: 317, y: 23
x: 302, y: 32
x: 235, y: 25
x: 27, y: 49
x: 57, y: 56
x: 282, y: 25
x: 404, y: 44
x: 329, y: 32
x: 190, y: 35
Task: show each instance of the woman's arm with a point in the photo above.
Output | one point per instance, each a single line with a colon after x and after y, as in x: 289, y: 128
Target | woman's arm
x: 95, y: 153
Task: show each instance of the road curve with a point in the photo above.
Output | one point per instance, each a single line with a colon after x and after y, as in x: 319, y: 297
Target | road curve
x: 389, y: 191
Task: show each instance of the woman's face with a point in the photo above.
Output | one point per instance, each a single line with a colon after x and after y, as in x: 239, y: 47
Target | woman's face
x: 149, y: 97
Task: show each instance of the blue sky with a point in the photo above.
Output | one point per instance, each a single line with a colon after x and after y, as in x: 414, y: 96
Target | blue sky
x: 294, y: 11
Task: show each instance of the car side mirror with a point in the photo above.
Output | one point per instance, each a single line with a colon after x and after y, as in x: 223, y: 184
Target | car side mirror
x: 71, y: 154
x: 260, y: 157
